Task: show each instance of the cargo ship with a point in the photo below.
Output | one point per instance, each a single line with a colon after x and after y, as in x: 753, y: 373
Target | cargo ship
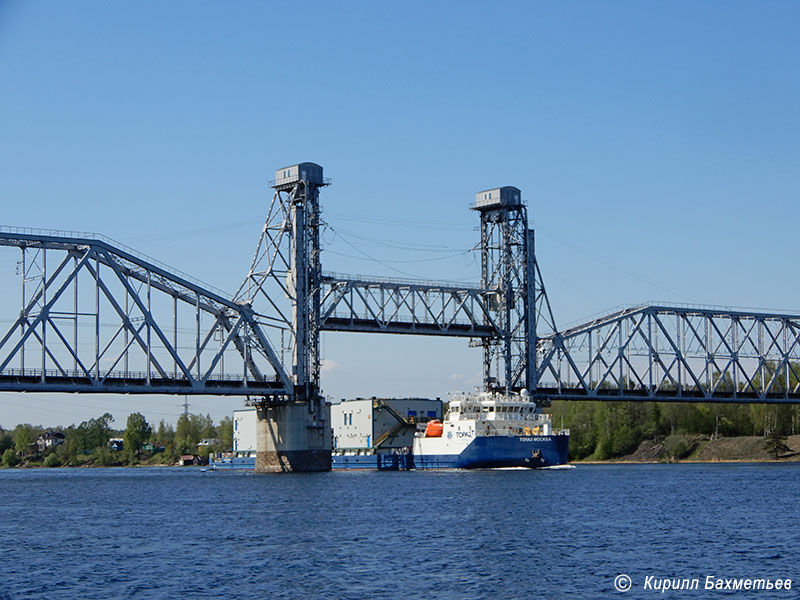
x: 489, y: 431
x: 479, y: 431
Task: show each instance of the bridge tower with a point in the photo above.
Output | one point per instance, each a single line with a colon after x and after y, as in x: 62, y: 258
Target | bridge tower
x: 516, y: 297
x: 283, y: 287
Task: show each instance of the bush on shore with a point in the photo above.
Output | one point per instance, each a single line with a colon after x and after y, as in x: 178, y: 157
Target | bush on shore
x: 10, y: 458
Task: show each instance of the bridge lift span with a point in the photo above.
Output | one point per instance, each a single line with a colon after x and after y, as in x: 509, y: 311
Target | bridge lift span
x: 97, y: 317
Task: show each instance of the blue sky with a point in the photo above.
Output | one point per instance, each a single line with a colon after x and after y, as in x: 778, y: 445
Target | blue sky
x: 655, y: 143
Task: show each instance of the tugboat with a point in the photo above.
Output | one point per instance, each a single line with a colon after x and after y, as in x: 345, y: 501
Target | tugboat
x: 491, y: 430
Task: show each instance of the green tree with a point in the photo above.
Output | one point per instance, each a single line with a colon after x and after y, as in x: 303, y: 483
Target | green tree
x: 99, y: 430
x: 734, y: 419
x: 654, y: 422
x: 171, y: 453
x: 207, y: 429
x: 77, y: 441
x: 95, y: 433
x: 164, y: 434
x: 102, y: 456
x: 190, y: 429
x: 63, y: 452
x: 775, y: 443
x: 82, y: 440
x: 137, y: 432
x: 604, y: 422
x: 10, y: 458
x: 186, y: 436
x: 6, y: 442
x: 782, y: 419
x: 24, y: 436
x: 578, y: 416
x: 226, y: 434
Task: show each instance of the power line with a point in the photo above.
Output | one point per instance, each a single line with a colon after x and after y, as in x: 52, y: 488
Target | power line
x: 396, y: 244
x: 186, y: 233
x: 385, y: 263
x: 373, y: 259
x: 414, y: 260
x: 67, y: 403
x: 618, y: 267
x: 415, y: 224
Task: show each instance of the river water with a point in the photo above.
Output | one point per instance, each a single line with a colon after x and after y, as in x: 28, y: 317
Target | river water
x: 562, y: 533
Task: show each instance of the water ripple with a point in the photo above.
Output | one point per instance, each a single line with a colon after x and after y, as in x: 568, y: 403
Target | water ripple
x: 169, y: 533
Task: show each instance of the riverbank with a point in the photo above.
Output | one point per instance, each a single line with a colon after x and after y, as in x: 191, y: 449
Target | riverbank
x: 701, y: 449
x: 677, y: 448
x: 40, y: 465
x: 102, y: 460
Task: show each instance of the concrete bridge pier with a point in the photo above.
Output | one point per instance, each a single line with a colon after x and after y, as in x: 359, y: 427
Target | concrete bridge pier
x: 292, y: 438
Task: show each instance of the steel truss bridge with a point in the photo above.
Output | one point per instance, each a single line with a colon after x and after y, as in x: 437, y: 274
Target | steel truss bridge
x: 97, y: 317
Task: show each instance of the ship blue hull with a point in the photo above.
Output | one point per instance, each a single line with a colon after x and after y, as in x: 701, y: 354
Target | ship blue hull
x: 496, y: 452
x: 239, y: 462
x: 379, y: 462
x: 482, y: 453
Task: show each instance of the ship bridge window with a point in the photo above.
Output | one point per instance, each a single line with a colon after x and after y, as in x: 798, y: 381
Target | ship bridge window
x: 491, y: 409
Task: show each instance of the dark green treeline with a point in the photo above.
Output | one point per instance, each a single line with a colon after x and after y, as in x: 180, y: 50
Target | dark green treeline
x: 601, y: 430
x: 90, y: 443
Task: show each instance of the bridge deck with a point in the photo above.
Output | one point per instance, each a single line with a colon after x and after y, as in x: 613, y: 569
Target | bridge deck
x: 643, y: 395
x: 410, y: 328
x: 133, y: 384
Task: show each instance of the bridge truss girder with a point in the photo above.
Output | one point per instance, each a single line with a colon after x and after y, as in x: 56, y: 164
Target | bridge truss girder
x: 404, y: 307
x: 664, y: 353
x: 95, y: 318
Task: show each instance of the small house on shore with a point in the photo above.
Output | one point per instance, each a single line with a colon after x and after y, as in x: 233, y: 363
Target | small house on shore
x: 50, y: 439
x: 153, y: 447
